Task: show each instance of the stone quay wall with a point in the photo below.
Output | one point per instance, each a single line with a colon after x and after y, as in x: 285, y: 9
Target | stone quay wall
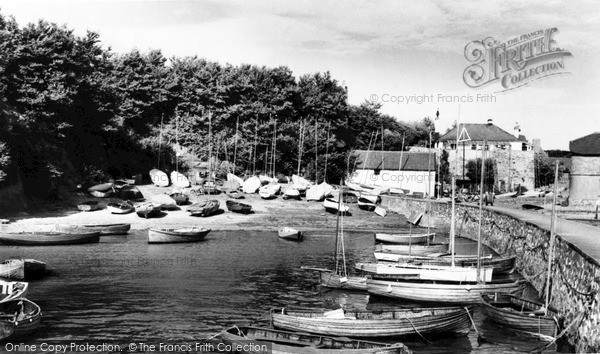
x: 575, y: 278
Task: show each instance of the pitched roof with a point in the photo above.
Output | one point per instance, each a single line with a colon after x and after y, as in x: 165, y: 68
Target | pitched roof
x: 480, y: 132
x: 390, y: 160
x: 587, y: 145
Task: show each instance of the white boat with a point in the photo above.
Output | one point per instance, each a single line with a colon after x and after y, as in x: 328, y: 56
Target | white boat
x: 366, y: 204
x: 179, y: 180
x: 165, y: 201
x: 405, y: 239
x: 269, y: 191
x: 380, y: 211
x: 12, y: 290
x: 251, y: 185
x: 159, y: 178
x: 289, y: 233
x: 374, y: 199
x: 291, y: 193
x: 232, y: 177
x: 319, y: 192
x: 427, y: 272
x: 331, y: 204
x: 300, y: 183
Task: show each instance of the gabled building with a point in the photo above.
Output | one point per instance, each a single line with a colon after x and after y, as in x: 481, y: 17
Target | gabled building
x: 512, y: 153
x: 584, y: 179
x: 412, y: 171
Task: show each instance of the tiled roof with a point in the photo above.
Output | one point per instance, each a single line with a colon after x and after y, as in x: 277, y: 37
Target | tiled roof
x: 587, y: 145
x: 390, y: 160
x: 480, y: 132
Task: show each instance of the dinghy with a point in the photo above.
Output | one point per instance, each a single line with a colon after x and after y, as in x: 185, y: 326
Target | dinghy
x: 156, y: 235
x: 204, y: 208
x: 123, y: 207
x: 159, y: 178
x: 251, y: 185
x: 291, y: 193
x: 335, y: 206
x: 238, y: 207
x: 147, y: 209
x: 88, y: 206
x: 22, y: 315
x: 179, y: 180
x: 289, y: 233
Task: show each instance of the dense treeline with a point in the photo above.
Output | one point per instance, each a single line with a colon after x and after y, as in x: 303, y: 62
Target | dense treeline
x: 71, y: 109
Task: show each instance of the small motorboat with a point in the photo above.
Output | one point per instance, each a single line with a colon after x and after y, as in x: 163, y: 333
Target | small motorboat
x: 156, y: 235
x: 289, y: 233
x: 123, y: 207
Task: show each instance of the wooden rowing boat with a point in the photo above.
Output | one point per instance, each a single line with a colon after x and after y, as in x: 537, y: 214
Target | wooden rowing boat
x: 234, y: 194
x: 500, y: 265
x: 156, y: 235
x: 130, y: 193
x: 288, y: 233
x: 34, y: 269
x: 385, y: 249
x: 147, y: 209
x: 23, y: 315
x: 12, y: 269
x: 366, y: 204
x: 440, y: 292
x: 256, y: 340
x: 123, y: 207
x: 405, y: 239
x: 179, y: 198
x: 378, y: 323
x: 335, y: 206
x: 204, y: 208
x: 88, y: 206
x: 269, y: 191
x: 521, y: 315
x: 12, y: 290
x: 426, y: 272
x: 238, y: 207
x: 103, y: 229
x: 39, y: 238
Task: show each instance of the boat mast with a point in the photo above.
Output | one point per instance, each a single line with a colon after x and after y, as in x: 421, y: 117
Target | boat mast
x: 327, y: 151
x: 300, y: 144
x: 160, y: 140
x: 255, y: 143
x: 400, y: 163
x: 177, y: 143
x: 274, y: 147
x: 316, y: 153
x: 452, y: 221
x: 367, y: 157
x: 340, y: 265
x: 552, y: 236
x: 481, y: 184
x: 237, y: 122
x: 429, y: 188
x: 209, y: 151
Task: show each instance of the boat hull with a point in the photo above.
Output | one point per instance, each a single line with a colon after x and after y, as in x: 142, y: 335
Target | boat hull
x: 363, y: 324
x: 426, y: 272
x: 29, y: 319
x: 405, y: 239
x: 517, y: 314
x: 176, y: 235
x: 12, y: 290
x: 205, y: 208
x: 444, y: 293
x: 13, y: 269
x: 332, y: 280
x: 237, y: 207
x: 48, y: 238
x: 411, y: 249
x: 267, y: 341
x: 287, y: 233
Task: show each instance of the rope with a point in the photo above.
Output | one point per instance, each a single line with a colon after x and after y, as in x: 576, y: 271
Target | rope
x: 415, y: 328
x: 572, y: 288
x: 564, y: 331
x: 471, y: 318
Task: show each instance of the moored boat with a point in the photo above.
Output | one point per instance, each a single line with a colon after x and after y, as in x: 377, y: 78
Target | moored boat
x: 440, y: 292
x: 410, y: 249
x: 42, y: 238
x: 204, y: 208
x: 501, y: 265
x: 12, y: 290
x: 289, y: 233
x: 378, y: 323
x: 103, y: 229
x: 34, y: 269
x: 405, y: 239
x: 147, y: 209
x: 12, y: 269
x: 279, y: 342
x: 23, y: 315
x: 156, y: 235
x: 88, y: 206
x: 123, y: 207
x: 238, y: 207
x: 426, y: 272
x: 521, y: 315
x: 335, y: 206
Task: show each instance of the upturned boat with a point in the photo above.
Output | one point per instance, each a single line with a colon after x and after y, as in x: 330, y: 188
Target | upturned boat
x: 184, y: 235
x: 289, y: 233
x: 179, y: 198
x: 238, y: 207
x: 284, y: 342
x: 159, y: 178
x: 103, y: 229
x: 291, y: 193
x: 269, y: 191
x: 405, y: 239
x: 521, y: 315
x: 204, y: 208
x: 22, y: 315
x: 179, y: 180
x: 380, y: 323
x: 88, y: 206
x: 319, y: 191
x: 51, y: 238
x: 12, y: 269
x: 335, y: 206
x: 251, y: 185
x: 366, y: 204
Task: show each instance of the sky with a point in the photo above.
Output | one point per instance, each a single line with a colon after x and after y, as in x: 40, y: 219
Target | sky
x: 382, y: 51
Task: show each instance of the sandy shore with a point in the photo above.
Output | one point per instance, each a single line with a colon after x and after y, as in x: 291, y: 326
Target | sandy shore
x: 267, y: 214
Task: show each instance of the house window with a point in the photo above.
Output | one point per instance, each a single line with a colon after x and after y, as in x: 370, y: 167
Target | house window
x: 524, y: 146
x: 474, y: 147
x: 452, y: 146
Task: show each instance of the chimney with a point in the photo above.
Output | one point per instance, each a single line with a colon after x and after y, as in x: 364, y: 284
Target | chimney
x: 490, y: 121
x: 517, y: 130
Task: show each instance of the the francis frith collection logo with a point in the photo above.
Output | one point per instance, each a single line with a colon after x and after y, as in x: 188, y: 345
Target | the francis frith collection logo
x: 516, y: 62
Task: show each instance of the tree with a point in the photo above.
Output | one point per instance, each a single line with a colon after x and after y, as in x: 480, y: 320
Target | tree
x: 474, y: 172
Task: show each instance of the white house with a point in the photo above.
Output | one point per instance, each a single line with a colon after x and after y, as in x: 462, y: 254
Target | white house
x: 412, y: 171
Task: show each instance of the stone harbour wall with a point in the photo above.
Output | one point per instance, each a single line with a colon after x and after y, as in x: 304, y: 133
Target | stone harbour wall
x: 575, y: 278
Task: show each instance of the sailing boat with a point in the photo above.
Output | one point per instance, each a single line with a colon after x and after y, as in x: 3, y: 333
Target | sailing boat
x: 523, y: 315
x: 339, y: 277
x: 177, y: 179
x: 448, y: 291
x: 209, y: 206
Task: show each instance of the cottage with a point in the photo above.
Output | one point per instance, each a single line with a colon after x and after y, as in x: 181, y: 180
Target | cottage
x: 584, y: 180
x: 413, y: 171
x: 512, y: 153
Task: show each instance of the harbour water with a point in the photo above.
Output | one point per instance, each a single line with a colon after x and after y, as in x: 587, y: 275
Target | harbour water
x: 124, y: 290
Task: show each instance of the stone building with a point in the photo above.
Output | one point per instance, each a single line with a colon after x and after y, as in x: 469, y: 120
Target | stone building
x: 412, y: 171
x: 512, y: 153
x: 584, y: 181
